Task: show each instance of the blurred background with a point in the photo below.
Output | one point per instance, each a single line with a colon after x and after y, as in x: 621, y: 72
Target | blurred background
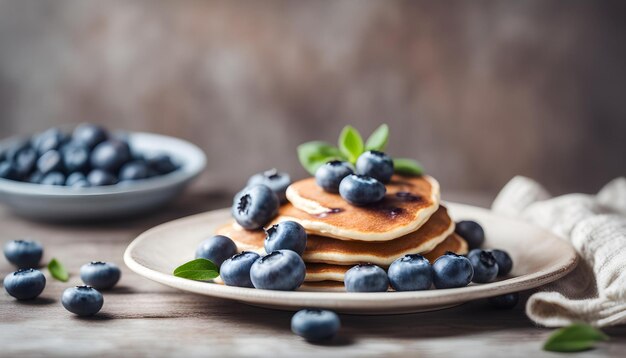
x: 477, y: 91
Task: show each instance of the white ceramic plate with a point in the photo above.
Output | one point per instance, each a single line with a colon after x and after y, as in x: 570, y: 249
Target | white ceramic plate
x: 539, y: 257
x: 106, y: 202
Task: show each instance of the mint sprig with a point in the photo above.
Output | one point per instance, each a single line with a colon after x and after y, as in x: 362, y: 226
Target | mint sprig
x: 351, y: 143
x: 58, y: 271
x: 198, y: 270
x: 378, y: 139
x: 574, y: 338
x: 407, y: 166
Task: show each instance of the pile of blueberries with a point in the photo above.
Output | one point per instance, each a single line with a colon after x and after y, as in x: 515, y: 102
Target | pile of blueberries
x: 89, y: 156
x: 28, y: 282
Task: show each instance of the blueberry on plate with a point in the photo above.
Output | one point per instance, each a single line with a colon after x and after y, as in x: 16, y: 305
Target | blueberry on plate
x: 50, y: 161
x: 375, y: 164
x: 330, y: 175
x: 451, y: 270
x: 25, y: 284
x: 287, y: 235
x: 8, y: 171
x: 485, y: 267
x: 35, y: 178
x: 217, y: 249
x: 504, y: 301
x: 10, y: 154
x: 255, y: 206
x: 74, y: 178
x: 53, y: 178
x: 361, y: 190
x: 315, y: 325
x: 98, y: 177
x: 473, y: 252
x: 100, y: 275
x: 161, y: 164
x: 134, y: 170
x: 281, y: 270
x: 273, y: 179
x: 366, y: 278
x: 505, y: 263
x: 410, y: 273
x: 235, y: 271
x: 51, y: 139
x: 89, y: 135
x: 472, y: 232
x: 75, y: 158
x: 110, y: 155
x: 25, y: 162
x: 82, y: 300
x: 23, y: 253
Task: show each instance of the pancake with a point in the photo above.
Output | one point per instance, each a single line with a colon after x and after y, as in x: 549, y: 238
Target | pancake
x: 333, y: 251
x: 407, y: 205
x: 323, y: 286
x: 316, y: 272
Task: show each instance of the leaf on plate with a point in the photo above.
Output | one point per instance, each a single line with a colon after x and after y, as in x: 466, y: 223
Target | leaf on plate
x: 57, y: 270
x: 405, y: 166
x: 198, y: 269
x: 378, y: 139
x: 314, y: 154
x: 350, y: 143
x: 574, y: 338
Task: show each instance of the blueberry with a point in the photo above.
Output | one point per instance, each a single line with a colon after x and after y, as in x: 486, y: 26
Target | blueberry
x: 110, y: 155
x: 485, y: 267
x: 274, y: 180
x: 330, y: 175
x: 504, y: 261
x: 504, y: 301
x: 287, y: 235
x: 8, y: 171
x: 375, y: 164
x: 36, y: 177
x: 50, y: 161
x: 315, y: 325
x: 75, y: 178
x: 25, y: 162
x: 51, y: 139
x: 10, y: 154
x: 473, y: 252
x: 75, y: 158
x: 99, y: 177
x: 472, y: 232
x: 361, y: 190
x: 452, y: 270
x: 161, y: 163
x: 281, y: 270
x: 23, y: 253
x: 134, y: 170
x: 366, y: 278
x: 25, y: 284
x: 89, y: 135
x: 255, y: 206
x: 410, y: 273
x: 100, y: 275
x: 235, y: 271
x: 82, y: 300
x: 217, y: 248
x: 53, y: 178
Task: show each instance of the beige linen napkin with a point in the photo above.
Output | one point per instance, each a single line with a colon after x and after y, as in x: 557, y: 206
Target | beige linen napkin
x: 595, y: 292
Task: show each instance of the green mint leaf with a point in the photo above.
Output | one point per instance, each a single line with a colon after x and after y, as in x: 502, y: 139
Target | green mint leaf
x: 409, y: 167
x: 574, y: 338
x: 350, y: 143
x: 57, y: 270
x: 314, y: 154
x: 198, y: 269
x: 378, y: 139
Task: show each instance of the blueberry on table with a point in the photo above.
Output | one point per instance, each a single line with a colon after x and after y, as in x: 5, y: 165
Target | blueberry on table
x: 281, y: 270
x: 82, y: 300
x: 361, y: 190
x: 25, y: 284
x: 89, y: 135
x: 235, y: 271
x: 51, y: 139
x: 505, y: 263
x: 452, y: 270
x: 485, y: 267
x: 110, y: 155
x: 375, y: 164
x: 473, y: 252
x: 287, y: 235
x: 8, y: 171
x: 100, y: 275
x: 330, y: 175
x: 50, y: 161
x: 315, y: 325
x: 53, y: 178
x: 98, y: 177
x: 23, y: 253
x: 506, y: 301
x: 273, y: 179
x: 134, y: 170
x: 366, y: 278
x: 161, y: 163
x: 255, y: 206
x: 472, y: 232
x: 410, y: 273
x: 217, y: 249
x: 75, y: 158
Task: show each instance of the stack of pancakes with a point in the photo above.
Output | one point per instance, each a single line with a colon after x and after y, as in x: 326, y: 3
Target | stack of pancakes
x: 409, y: 220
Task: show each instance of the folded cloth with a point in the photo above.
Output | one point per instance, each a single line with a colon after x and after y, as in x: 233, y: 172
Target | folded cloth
x: 595, y: 292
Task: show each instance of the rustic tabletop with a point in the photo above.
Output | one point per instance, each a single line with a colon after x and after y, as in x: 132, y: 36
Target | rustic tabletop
x: 142, y: 318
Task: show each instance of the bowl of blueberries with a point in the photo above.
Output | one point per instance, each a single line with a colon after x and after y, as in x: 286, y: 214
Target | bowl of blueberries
x: 90, y: 173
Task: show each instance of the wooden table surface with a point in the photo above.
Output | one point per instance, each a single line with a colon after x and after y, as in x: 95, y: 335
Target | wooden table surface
x: 141, y: 318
